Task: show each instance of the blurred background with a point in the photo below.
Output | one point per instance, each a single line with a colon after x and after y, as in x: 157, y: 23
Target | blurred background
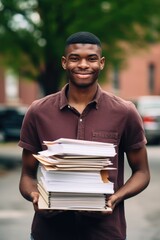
x: 32, y: 39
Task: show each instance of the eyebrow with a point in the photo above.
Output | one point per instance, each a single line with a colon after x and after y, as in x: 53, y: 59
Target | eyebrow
x: 75, y: 54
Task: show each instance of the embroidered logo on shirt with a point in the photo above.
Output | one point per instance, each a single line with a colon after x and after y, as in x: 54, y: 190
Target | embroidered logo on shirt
x: 104, y: 134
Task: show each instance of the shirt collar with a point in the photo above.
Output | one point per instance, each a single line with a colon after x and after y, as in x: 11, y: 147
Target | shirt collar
x: 64, y: 100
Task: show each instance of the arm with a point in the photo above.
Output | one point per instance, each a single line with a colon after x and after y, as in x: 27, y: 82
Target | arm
x: 28, y: 180
x: 139, y: 179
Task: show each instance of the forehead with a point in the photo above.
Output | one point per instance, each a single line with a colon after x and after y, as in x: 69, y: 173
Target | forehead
x: 81, y: 48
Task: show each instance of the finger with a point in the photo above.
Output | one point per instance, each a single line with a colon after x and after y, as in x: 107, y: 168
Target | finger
x: 109, y: 204
x: 35, y: 205
x: 35, y: 197
x: 108, y: 210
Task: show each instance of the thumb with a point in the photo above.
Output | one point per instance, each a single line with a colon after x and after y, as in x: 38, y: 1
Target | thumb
x: 35, y: 197
x: 109, y: 203
x: 112, y: 201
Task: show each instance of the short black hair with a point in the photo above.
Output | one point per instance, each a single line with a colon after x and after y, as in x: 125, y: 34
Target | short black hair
x: 83, y: 37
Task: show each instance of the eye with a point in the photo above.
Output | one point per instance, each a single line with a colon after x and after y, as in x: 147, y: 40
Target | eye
x: 93, y: 58
x: 73, y: 59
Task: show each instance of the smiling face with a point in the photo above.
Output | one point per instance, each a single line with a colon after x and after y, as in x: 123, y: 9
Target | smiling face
x: 83, y: 62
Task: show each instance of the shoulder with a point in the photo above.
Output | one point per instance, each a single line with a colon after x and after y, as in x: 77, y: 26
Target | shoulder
x: 116, y: 103
x: 46, y: 102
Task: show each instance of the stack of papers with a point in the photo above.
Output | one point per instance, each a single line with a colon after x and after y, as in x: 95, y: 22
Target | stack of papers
x: 66, y: 146
x: 74, y: 175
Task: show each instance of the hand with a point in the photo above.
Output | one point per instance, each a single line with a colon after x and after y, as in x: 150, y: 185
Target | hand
x: 108, y: 210
x: 35, y: 197
x: 111, y: 202
x: 47, y: 213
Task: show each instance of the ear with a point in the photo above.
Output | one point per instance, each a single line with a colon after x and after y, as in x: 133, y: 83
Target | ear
x: 63, y: 62
x: 102, y: 63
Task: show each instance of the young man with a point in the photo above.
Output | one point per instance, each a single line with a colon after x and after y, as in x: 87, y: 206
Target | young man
x: 82, y: 110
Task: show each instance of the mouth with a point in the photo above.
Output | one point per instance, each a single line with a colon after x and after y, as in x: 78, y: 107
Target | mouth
x: 83, y: 74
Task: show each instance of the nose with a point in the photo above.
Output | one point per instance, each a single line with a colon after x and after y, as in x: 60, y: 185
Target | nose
x: 83, y: 63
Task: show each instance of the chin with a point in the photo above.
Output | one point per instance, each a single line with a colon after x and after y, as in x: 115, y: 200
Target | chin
x: 83, y: 84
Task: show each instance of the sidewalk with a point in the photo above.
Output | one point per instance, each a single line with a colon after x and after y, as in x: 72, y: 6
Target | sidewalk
x: 10, y: 154
x: 15, y: 212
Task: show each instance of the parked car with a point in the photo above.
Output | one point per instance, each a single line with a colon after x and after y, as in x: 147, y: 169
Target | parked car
x: 11, y: 118
x: 149, y: 109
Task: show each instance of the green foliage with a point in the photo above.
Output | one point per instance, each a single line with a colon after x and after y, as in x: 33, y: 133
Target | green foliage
x: 33, y: 32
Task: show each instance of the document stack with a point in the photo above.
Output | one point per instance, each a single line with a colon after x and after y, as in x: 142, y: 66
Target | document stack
x: 74, y: 175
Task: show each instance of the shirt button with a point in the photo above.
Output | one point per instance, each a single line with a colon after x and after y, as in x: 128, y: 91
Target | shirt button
x: 80, y: 119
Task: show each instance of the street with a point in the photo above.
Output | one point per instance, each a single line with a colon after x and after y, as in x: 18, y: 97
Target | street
x: 15, y: 212
x: 142, y: 211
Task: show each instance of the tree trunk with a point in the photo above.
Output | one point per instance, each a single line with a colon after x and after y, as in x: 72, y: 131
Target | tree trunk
x: 50, y: 79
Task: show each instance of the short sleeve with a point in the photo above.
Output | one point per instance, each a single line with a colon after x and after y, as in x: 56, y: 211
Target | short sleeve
x: 134, y: 135
x: 29, y: 136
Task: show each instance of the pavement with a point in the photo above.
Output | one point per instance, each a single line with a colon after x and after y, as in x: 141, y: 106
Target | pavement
x: 16, y: 213
x: 10, y: 154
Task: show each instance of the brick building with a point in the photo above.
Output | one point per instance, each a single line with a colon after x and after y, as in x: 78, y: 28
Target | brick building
x: 139, y: 76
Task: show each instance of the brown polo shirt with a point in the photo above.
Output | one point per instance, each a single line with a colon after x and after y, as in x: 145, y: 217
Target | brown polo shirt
x: 106, y: 119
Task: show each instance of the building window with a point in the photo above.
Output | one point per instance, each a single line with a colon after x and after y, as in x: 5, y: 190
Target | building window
x: 116, y: 84
x: 11, y: 87
x: 151, y: 77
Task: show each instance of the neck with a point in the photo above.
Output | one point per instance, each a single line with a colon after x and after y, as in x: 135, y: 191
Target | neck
x: 79, y: 98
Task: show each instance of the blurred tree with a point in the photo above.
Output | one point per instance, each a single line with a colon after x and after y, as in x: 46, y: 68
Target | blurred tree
x: 33, y: 32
